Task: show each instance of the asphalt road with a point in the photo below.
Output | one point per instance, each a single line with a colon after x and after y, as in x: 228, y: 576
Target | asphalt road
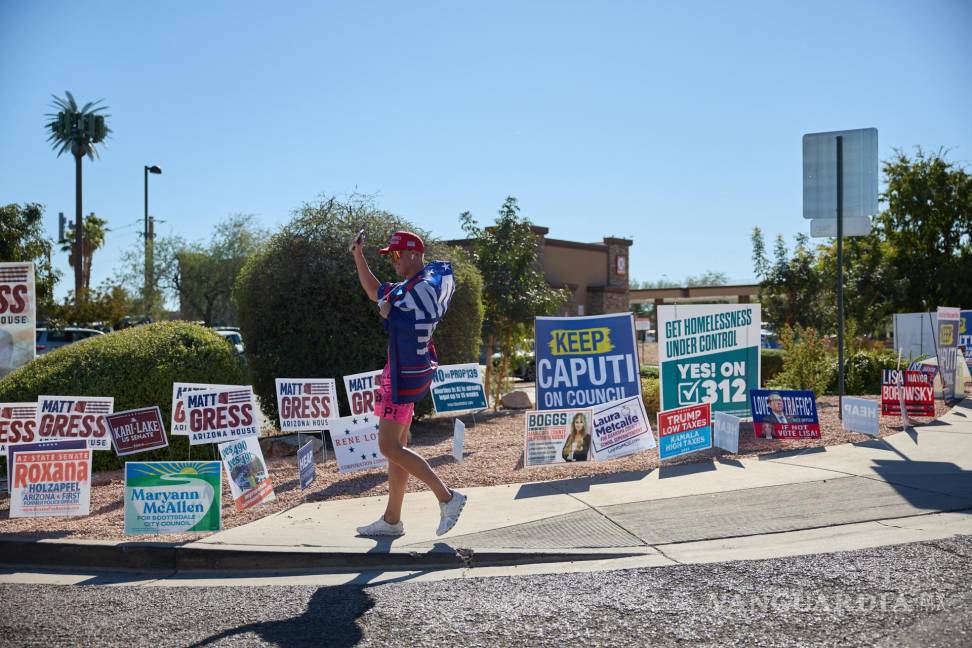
x: 908, y: 595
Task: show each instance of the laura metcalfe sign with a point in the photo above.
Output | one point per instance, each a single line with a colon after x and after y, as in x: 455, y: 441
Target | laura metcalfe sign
x: 18, y: 322
x: 217, y: 415
x: 61, y: 418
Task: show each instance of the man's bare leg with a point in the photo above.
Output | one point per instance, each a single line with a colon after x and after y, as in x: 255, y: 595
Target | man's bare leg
x: 390, y: 444
x: 397, y: 482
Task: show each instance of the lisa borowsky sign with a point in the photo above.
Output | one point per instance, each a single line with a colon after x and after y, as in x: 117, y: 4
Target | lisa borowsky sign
x: 585, y: 361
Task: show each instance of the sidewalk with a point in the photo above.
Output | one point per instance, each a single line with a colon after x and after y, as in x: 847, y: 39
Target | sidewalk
x: 909, y: 486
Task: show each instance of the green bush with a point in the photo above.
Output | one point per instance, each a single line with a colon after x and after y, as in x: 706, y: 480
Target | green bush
x: 862, y: 371
x: 649, y: 372
x: 771, y: 364
x: 651, y: 395
x: 806, y: 362
x: 137, y: 367
x: 303, y: 314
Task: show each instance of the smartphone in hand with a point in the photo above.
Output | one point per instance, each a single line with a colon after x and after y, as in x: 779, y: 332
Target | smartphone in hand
x: 357, y: 240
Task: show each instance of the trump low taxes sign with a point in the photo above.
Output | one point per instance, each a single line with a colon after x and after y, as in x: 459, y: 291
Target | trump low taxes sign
x: 217, y: 415
x: 585, y: 361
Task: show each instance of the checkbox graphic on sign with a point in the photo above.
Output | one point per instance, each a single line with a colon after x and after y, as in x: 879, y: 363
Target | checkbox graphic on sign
x: 688, y: 393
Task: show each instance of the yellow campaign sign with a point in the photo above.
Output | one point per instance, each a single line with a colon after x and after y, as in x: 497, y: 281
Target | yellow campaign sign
x: 566, y: 342
x: 945, y: 337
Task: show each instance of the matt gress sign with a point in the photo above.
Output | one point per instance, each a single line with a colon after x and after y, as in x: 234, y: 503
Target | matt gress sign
x: 218, y: 415
x: 74, y: 417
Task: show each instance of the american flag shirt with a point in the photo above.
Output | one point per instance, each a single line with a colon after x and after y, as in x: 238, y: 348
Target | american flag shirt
x: 418, y: 305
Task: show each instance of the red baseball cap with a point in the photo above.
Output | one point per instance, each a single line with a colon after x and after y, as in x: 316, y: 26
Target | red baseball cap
x: 404, y: 241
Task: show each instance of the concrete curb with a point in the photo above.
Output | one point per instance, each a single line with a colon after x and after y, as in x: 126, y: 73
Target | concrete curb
x: 172, y: 557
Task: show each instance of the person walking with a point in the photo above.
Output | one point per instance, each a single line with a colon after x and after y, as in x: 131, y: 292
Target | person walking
x: 410, y: 311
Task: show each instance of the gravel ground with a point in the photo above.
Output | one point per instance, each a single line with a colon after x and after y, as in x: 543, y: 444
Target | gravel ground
x: 492, y: 455
x: 906, y: 595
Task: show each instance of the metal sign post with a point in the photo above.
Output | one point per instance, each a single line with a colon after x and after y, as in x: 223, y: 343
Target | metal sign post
x: 840, y: 277
x: 856, y: 201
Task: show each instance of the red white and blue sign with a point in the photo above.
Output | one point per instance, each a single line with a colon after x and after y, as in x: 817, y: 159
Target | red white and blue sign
x: 784, y: 414
x: 684, y: 430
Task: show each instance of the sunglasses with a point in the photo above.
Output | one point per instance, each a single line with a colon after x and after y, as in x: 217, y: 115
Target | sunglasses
x: 396, y: 255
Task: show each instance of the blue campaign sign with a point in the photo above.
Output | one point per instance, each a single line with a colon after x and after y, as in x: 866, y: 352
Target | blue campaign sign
x: 305, y: 464
x: 684, y: 430
x: 458, y: 388
x: 586, y: 361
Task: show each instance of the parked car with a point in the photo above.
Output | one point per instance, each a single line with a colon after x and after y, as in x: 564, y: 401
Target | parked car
x: 232, y: 335
x: 50, y: 339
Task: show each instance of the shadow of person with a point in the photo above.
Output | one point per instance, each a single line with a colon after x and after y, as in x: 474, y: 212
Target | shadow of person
x: 330, y: 619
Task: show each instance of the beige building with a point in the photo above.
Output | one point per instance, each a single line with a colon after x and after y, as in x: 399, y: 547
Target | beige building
x: 596, y: 274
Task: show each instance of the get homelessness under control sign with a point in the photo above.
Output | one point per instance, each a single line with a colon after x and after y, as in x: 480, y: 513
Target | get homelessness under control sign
x: 709, y: 354
x: 586, y: 361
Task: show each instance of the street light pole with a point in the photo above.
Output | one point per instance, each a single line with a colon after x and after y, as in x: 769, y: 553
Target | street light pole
x: 149, y: 279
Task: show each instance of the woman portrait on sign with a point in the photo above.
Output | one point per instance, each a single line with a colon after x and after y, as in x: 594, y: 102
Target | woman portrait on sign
x: 578, y: 443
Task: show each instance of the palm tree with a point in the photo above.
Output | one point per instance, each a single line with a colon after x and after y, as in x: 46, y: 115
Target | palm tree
x: 93, y: 238
x: 77, y: 130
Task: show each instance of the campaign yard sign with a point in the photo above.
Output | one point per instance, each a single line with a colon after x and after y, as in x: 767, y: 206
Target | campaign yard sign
x: 62, y: 418
x: 18, y: 424
x: 138, y: 430
x: 247, y: 472
x: 458, y: 439
x: 362, y: 389
x: 965, y: 337
x: 860, y: 415
x: 784, y: 414
x: 915, y: 387
x: 355, y: 440
x: 305, y: 464
x: 50, y: 479
x: 173, y: 497
x: 949, y: 320
x: 179, y: 426
x: 684, y: 430
x: 18, y: 321
x: 709, y: 353
x: 585, y: 361
x: 306, y: 404
x: 458, y: 388
x: 621, y: 428
x: 725, y: 428
x: 217, y: 415
x: 556, y: 437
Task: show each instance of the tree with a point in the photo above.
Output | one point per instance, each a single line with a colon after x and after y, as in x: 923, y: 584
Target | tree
x: 302, y: 311
x: 514, y: 288
x: 928, y: 230
x: 77, y: 130
x: 792, y: 290
x: 205, y: 275
x: 22, y: 239
x: 131, y: 275
x: 105, y: 305
x: 92, y: 239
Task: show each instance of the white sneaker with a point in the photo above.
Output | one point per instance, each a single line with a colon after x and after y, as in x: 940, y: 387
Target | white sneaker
x: 381, y: 528
x: 449, y: 512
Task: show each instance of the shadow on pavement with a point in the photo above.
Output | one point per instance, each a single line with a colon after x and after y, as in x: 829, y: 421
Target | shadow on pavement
x: 917, y: 481
x: 330, y: 619
x: 666, y: 472
x: 783, y: 454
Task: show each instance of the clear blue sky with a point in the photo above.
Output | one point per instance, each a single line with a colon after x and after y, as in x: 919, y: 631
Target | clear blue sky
x: 676, y: 124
